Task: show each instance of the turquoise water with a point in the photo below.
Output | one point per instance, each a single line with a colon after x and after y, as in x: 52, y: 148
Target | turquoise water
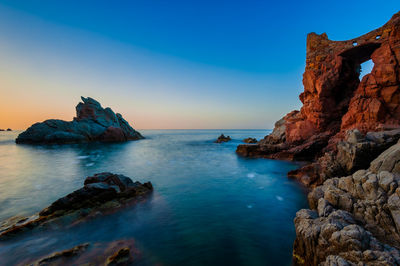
x: 209, y: 206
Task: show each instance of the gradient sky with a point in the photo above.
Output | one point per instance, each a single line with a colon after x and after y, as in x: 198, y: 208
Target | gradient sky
x: 167, y: 64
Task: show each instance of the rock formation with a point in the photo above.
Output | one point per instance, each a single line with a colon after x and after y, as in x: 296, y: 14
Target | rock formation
x: 335, y: 100
x: 9, y: 129
x: 355, y: 219
x: 346, y: 127
x: 119, y: 252
x: 92, y: 123
x: 223, y: 138
x: 250, y: 140
x: 101, y: 193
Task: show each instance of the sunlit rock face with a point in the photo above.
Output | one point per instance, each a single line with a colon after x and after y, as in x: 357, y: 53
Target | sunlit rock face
x: 92, y: 123
x: 335, y: 100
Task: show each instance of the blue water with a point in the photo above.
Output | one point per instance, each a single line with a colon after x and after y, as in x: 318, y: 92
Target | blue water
x: 209, y: 205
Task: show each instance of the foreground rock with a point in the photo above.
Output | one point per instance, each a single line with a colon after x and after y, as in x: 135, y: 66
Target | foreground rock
x: 223, y: 138
x: 101, y: 193
x: 116, y: 253
x: 335, y: 100
x: 92, y: 123
x: 355, y: 219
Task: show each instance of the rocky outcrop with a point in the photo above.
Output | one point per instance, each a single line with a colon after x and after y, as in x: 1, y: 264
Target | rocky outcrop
x: 355, y: 218
x: 250, y: 140
x: 223, y: 138
x: 335, y: 100
x: 101, y: 193
x: 356, y: 151
x: 92, y: 123
x: 9, y: 129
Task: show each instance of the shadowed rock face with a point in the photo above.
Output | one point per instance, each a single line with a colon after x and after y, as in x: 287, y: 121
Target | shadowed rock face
x: 335, y: 100
x: 92, y: 123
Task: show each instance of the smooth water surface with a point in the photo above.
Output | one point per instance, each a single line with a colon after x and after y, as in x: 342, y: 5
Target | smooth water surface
x: 209, y: 205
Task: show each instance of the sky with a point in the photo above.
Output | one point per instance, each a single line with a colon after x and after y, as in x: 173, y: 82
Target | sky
x: 167, y: 64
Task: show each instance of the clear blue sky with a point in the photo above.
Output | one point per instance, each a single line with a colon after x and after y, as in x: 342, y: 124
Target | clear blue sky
x: 167, y: 64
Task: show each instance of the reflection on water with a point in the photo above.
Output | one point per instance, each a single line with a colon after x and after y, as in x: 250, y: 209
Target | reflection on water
x: 209, y: 205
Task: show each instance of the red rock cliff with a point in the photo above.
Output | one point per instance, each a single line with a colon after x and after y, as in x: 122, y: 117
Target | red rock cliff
x: 335, y: 100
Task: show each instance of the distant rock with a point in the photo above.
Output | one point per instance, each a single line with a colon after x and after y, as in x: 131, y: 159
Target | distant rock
x: 92, y: 123
x: 223, y: 138
x: 2, y: 129
x: 101, y: 193
x: 250, y: 140
x: 9, y: 129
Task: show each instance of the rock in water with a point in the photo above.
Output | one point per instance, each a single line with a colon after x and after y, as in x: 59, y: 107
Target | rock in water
x: 101, y: 192
x: 92, y: 123
x: 223, y: 138
x: 250, y: 140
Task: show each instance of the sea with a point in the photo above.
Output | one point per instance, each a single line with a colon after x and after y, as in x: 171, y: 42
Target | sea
x: 209, y: 205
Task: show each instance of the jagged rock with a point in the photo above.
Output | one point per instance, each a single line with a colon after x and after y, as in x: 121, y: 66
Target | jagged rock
x: 101, y: 192
x: 356, y: 151
x: 92, y: 123
x: 223, y: 138
x: 356, y: 218
x: 250, y: 140
x: 334, y: 100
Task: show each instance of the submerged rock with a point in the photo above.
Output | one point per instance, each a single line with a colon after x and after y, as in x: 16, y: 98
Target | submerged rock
x: 116, y: 253
x: 102, y: 192
x: 92, y: 123
x: 250, y: 140
x: 223, y: 138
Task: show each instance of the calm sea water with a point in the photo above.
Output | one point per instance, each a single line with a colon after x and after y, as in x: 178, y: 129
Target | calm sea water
x: 209, y: 206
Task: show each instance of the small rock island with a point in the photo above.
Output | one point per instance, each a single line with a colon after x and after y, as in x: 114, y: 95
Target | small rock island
x: 92, y: 123
x: 223, y: 138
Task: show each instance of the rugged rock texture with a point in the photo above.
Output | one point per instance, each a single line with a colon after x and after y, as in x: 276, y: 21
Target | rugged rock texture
x: 92, y: 123
x: 223, y: 138
x: 335, y: 100
x: 354, y: 152
x: 355, y: 219
x: 101, y: 193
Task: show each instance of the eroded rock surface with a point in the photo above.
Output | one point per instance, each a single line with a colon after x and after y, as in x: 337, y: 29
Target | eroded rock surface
x: 335, y: 100
x: 354, y: 219
x: 101, y: 193
x: 92, y: 123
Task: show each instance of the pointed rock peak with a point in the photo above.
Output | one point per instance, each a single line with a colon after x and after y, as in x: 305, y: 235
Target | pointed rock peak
x: 89, y: 100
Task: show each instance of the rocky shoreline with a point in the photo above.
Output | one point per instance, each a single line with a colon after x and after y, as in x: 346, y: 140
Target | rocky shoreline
x: 348, y: 130
x: 92, y: 123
